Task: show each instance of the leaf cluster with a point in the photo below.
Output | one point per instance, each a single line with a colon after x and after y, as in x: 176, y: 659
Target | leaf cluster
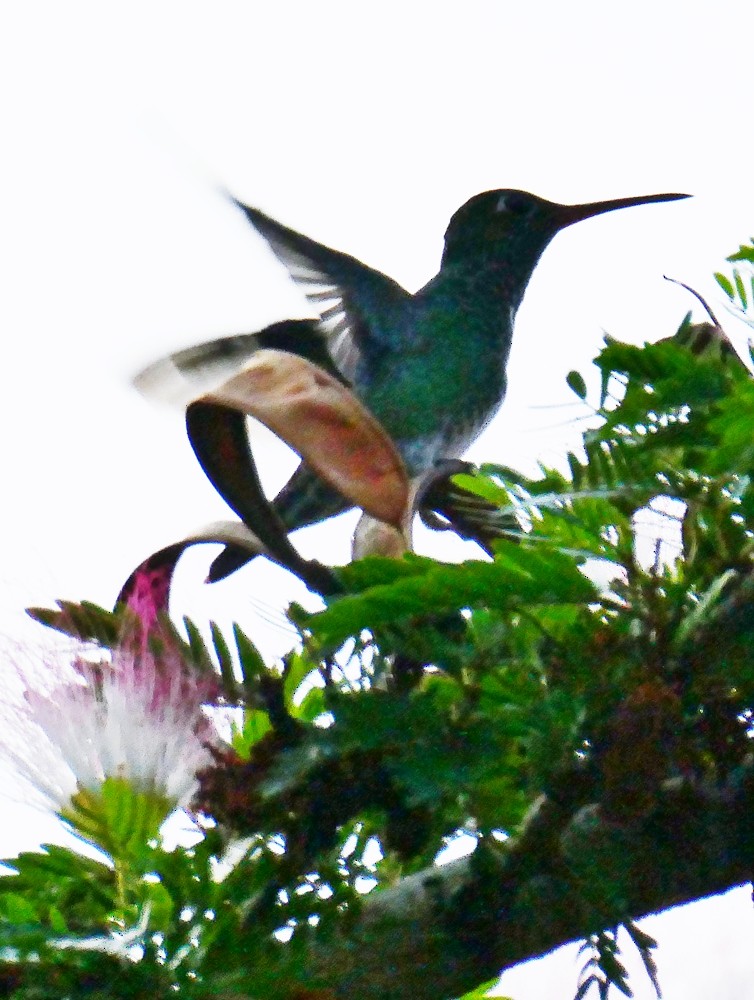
x: 739, y: 287
x: 604, y: 651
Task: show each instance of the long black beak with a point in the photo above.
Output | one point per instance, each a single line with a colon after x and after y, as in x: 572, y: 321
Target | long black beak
x: 568, y: 214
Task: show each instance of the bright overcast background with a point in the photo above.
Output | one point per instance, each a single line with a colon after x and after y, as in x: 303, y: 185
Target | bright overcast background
x: 364, y: 125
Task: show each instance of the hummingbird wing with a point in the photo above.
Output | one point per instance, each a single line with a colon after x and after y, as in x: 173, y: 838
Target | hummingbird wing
x: 180, y: 377
x: 350, y: 298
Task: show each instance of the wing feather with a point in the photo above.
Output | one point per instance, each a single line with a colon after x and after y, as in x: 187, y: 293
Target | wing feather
x: 351, y: 299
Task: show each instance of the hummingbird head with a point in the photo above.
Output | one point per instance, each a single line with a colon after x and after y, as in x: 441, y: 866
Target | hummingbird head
x: 513, y: 227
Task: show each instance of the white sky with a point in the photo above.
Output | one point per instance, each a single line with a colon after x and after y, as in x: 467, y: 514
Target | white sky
x: 364, y: 126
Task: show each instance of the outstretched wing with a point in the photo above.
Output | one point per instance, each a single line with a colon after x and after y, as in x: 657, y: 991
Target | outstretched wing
x: 180, y: 377
x: 352, y: 300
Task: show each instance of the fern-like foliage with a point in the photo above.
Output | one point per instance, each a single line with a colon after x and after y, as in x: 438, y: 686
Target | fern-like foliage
x: 603, y: 652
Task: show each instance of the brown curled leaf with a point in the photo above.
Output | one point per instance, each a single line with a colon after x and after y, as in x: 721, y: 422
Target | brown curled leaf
x: 325, y: 423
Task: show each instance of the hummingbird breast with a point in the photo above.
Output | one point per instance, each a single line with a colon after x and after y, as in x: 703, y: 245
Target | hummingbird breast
x: 437, y: 390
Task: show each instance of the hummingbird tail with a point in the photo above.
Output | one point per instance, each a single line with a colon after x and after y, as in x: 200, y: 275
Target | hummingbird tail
x: 304, y: 500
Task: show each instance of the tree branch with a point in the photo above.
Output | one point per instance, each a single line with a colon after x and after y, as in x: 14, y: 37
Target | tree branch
x: 447, y: 929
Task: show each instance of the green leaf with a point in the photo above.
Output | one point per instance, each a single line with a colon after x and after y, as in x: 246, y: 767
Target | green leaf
x: 58, y: 924
x: 519, y: 575
x: 576, y: 469
x: 483, y: 992
x: 225, y: 660
x: 740, y: 287
x: 378, y: 570
x: 196, y: 645
x: 312, y: 705
x: 483, y: 486
x: 744, y: 252
x: 252, y: 663
x: 84, y: 620
x: 297, y: 668
x: 162, y: 906
x: 17, y: 909
x: 726, y: 284
x: 576, y: 383
x: 118, y: 818
x: 256, y: 724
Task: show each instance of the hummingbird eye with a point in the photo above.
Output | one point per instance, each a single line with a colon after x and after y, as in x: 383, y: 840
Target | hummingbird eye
x: 513, y: 202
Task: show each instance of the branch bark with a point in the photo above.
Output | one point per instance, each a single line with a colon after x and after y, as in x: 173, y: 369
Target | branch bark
x: 445, y: 930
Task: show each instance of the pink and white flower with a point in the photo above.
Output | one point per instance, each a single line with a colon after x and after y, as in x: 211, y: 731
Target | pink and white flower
x: 135, y: 721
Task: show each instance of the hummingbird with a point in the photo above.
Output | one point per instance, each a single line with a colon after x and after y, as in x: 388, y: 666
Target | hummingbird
x: 431, y: 366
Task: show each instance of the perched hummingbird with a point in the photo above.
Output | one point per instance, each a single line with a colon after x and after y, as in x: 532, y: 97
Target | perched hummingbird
x: 430, y: 366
